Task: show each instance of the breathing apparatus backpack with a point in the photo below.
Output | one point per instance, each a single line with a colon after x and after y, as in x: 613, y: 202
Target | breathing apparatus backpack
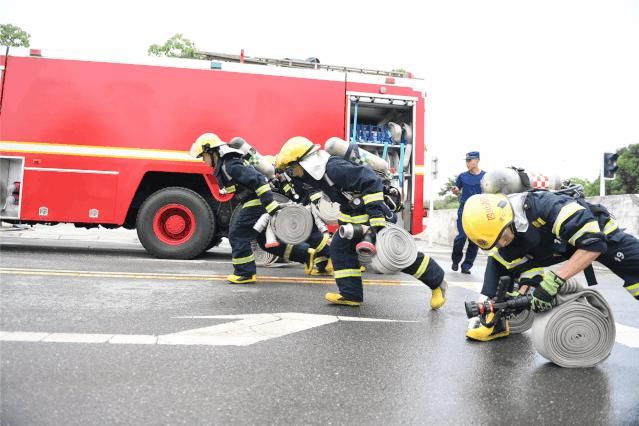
x: 351, y: 152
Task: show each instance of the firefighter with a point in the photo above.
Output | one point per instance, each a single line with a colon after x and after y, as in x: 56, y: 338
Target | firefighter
x: 340, y: 180
x: 304, y: 194
x: 531, y: 230
x: 254, y: 191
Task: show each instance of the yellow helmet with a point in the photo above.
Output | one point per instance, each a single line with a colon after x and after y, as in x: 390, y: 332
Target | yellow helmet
x: 294, y: 150
x: 204, y: 143
x: 485, y: 217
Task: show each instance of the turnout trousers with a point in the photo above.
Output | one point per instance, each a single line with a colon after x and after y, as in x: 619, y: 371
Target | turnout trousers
x: 241, y: 234
x: 348, y: 274
x: 458, y: 246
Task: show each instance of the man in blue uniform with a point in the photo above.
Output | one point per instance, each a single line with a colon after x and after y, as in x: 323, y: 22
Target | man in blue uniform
x: 531, y: 230
x: 468, y: 184
x: 235, y: 175
x: 359, y: 192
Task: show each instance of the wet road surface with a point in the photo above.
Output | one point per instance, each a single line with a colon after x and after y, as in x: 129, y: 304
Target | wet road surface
x: 207, y: 352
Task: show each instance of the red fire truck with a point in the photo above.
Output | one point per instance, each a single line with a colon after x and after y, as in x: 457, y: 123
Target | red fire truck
x: 104, y: 142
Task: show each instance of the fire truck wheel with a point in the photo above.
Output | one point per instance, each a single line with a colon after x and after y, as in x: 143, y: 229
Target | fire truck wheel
x: 214, y: 242
x: 175, y: 223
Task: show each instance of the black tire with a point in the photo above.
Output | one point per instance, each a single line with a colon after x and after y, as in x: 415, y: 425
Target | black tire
x: 191, y: 211
x: 214, y: 242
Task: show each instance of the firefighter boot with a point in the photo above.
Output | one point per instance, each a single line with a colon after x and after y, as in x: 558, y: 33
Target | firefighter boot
x: 238, y: 279
x: 327, y: 270
x: 438, y: 297
x: 338, y: 299
x: 486, y: 334
x: 310, y: 262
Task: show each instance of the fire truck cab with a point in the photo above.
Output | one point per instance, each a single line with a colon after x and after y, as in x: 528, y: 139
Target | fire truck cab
x: 102, y: 141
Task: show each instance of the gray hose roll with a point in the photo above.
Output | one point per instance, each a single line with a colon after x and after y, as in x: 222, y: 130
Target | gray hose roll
x: 579, y: 331
x: 396, y: 250
x: 293, y: 224
x: 262, y: 257
x: 521, y: 322
x: 328, y: 211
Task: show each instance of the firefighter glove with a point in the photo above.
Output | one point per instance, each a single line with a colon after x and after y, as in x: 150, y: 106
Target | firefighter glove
x: 541, y: 300
x: 551, y: 283
x: 544, y: 295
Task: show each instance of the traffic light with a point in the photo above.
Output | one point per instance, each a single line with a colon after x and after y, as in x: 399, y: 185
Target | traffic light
x: 610, y: 165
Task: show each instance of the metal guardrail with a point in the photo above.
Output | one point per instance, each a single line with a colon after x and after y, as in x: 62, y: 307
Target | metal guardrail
x: 312, y: 63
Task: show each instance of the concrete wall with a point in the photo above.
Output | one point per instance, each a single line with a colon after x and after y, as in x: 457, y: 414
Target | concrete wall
x: 442, y: 224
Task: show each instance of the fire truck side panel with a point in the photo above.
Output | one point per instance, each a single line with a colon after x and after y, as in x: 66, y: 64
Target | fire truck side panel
x: 99, y: 106
x: 65, y: 183
x: 124, y: 105
x: 85, y: 196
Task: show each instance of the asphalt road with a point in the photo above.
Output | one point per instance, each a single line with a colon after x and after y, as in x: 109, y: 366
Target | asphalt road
x: 275, y: 352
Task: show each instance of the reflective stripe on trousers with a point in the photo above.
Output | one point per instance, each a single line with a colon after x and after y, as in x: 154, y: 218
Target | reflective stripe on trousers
x: 241, y: 234
x: 348, y: 276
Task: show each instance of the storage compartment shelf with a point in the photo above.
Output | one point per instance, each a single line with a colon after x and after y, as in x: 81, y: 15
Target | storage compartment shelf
x: 378, y: 145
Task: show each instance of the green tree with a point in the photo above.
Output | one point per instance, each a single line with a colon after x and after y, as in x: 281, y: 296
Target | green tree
x: 449, y: 200
x: 13, y: 36
x: 400, y: 71
x: 448, y: 187
x: 591, y: 189
x: 177, y: 46
x: 626, y: 180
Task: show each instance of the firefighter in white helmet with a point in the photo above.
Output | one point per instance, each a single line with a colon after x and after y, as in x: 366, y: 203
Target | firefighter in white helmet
x: 340, y: 179
x: 254, y: 191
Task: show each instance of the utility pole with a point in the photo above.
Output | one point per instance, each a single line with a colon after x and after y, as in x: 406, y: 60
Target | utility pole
x: 431, y: 208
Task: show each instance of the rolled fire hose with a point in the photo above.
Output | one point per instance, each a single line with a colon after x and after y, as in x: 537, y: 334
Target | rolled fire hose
x: 396, y: 250
x: 262, y: 257
x: 521, y: 322
x: 328, y: 211
x: 293, y: 224
x: 579, y: 332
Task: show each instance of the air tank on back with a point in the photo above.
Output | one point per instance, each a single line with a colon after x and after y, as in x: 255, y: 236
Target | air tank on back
x: 260, y: 164
x: 338, y: 147
x: 510, y: 180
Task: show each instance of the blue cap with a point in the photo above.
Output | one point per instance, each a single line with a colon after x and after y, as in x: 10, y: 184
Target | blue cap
x: 472, y: 155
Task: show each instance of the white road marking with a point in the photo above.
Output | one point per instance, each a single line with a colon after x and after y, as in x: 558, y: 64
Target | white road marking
x: 246, y: 330
x: 370, y: 319
x: 133, y: 339
x: 190, y: 261
x: 469, y: 285
x: 627, y: 336
x: 23, y: 336
x: 77, y: 338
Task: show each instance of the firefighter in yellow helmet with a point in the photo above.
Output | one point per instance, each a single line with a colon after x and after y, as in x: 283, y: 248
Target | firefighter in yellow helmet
x: 344, y: 181
x: 252, y: 189
x: 298, y: 191
x: 527, y: 232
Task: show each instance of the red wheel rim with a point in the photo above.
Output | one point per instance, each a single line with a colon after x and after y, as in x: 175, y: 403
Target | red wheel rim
x: 174, y: 224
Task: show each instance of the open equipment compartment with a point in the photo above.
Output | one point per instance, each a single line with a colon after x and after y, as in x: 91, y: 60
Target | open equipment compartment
x: 383, y: 125
x: 11, y: 178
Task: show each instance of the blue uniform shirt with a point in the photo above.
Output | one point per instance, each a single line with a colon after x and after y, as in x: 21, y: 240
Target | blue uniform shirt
x: 469, y: 185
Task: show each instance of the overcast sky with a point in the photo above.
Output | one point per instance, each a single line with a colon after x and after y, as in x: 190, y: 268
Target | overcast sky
x: 547, y: 84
